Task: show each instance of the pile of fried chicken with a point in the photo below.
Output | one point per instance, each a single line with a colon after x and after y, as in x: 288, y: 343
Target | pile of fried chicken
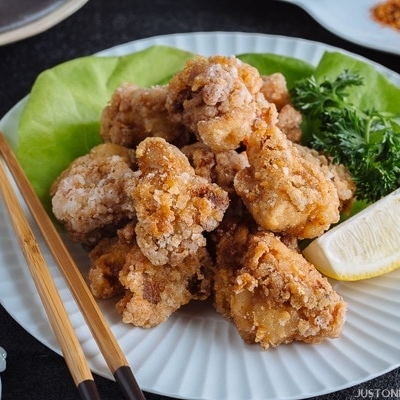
x: 201, y: 189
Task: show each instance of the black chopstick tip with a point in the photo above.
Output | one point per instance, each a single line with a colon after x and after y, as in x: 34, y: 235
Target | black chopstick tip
x: 88, y: 390
x: 127, y: 382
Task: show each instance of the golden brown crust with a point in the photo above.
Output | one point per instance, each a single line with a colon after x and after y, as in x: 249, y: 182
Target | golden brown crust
x: 173, y: 205
x: 107, y: 259
x: 183, y: 196
x: 273, y: 295
x: 289, y: 121
x: 337, y: 173
x: 219, y: 168
x: 274, y: 89
x: 135, y: 113
x: 92, y: 197
x: 217, y: 98
x: 153, y: 293
x: 284, y: 191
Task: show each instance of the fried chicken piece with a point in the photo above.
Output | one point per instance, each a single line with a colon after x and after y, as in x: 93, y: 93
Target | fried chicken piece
x: 91, y: 198
x: 219, y: 168
x: 338, y: 173
x: 284, y: 191
x: 271, y: 293
x: 202, y: 159
x: 217, y: 98
x: 275, y: 90
x: 135, y: 113
x: 231, y: 242
x: 153, y: 293
x: 289, y: 121
x: 173, y: 205
x: 107, y: 259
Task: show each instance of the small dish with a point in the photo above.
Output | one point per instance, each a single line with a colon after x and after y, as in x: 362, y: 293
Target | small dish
x: 19, y: 20
x: 352, y: 20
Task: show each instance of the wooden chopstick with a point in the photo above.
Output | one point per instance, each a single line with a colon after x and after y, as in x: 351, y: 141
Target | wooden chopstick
x: 102, y: 333
x: 48, y: 293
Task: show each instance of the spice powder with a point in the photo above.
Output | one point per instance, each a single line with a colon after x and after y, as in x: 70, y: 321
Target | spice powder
x: 387, y: 13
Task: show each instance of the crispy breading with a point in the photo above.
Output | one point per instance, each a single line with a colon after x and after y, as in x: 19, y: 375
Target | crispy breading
x: 289, y: 121
x: 284, y: 191
x: 173, y: 205
x: 203, y: 186
x: 92, y: 197
x: 135, y: 113
x: 337, y: 173
x: 153, y: 293
x: 219, y: 168
x: 217, y: 98
x: 275, y: 90
x: 107, y: 259
x: 271, y: 293
x: 150, y: 293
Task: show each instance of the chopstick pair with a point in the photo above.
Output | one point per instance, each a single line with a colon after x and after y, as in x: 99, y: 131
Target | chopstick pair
x: 52, y: 302
x: 47, y: 290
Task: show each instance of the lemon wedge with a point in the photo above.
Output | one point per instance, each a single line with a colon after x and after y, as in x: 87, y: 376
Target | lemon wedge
x: 364, y: 246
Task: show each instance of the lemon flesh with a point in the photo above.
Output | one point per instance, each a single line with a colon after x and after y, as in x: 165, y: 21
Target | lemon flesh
x: 364, y: 246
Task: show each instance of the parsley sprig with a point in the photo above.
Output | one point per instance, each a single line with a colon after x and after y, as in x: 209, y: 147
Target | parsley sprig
x: 367, y: 142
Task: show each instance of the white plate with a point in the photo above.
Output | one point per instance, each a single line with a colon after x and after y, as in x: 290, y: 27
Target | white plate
x: 352, y: 21
x: 197, y: 354
x: 23, y: 18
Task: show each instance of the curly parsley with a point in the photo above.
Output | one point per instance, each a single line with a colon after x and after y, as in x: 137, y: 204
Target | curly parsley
x: 367, y: 142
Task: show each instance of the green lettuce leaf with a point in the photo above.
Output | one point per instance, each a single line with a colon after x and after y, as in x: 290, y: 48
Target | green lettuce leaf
x: 377, y: 91
x: 61, y: 119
